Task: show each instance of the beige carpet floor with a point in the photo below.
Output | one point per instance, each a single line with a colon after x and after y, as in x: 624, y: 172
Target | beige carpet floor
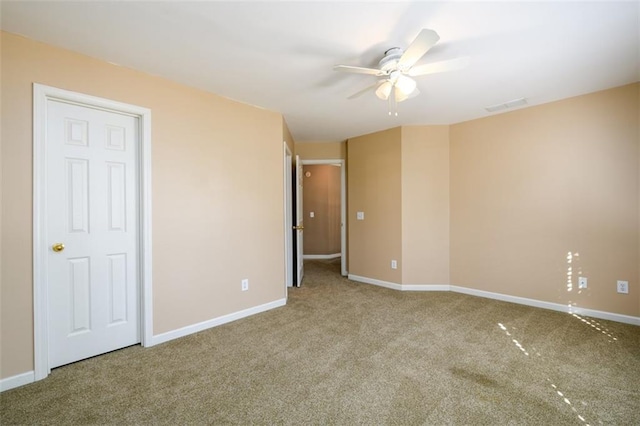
x: 346, y: 353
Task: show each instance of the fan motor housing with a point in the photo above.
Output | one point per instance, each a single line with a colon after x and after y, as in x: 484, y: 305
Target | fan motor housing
x: 390, y: 60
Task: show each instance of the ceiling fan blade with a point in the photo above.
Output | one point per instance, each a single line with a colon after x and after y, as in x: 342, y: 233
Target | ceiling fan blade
x: 418, y: 47
x: 365, y: 90
x: 441, y: 66
x: 357, y: 70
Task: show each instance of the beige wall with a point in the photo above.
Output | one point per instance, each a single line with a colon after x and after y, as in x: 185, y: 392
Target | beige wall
x: 496, y: 204
x: 406, y: 170
x: 322, y: 150
x: 215, y: 163
x: 322, y: 197
x: 288, y: 139
x: 530, y: 186
x: 374, y: 187
x: 425, y: 205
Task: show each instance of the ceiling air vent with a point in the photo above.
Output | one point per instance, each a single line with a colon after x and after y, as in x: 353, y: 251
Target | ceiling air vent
x: 509, y: 104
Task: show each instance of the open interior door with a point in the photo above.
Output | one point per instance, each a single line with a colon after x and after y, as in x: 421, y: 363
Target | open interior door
x: 299, y: 227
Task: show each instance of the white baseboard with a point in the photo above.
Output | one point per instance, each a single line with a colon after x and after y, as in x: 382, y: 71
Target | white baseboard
x: 425, y: 287
x: 373, y: 281
x: 321, y: 256
x: 570, y: 309
x: 194, y: 328
x: 17, y: 380
x: 513, y: 299
x: 401, y: 287
x: 627, y: 319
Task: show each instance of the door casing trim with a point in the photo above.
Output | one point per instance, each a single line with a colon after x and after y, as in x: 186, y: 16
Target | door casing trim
x: 288, y: 217
x: 41, y: 96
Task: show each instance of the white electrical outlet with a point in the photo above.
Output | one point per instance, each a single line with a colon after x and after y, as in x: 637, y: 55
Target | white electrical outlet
x: 245, y: 285
x: 623, y: 287
x: 360, y: 215
x: 394, y: 264
x: 582, y: 282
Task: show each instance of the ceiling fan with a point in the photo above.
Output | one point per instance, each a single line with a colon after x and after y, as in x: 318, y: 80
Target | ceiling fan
x: 397, y: 68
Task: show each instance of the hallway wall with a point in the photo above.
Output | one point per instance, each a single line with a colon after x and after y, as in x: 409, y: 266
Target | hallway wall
x: 322, y: 197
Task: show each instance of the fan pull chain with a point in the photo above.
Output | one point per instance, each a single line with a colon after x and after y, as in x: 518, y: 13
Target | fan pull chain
x: 393, y: 105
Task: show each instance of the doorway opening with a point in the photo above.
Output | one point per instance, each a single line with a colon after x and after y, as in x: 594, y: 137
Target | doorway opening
x: 324, y: 211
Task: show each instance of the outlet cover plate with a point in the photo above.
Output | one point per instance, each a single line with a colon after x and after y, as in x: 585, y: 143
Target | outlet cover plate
x: 623, y: 287
x: 245, y: 285
x: 582, y: 282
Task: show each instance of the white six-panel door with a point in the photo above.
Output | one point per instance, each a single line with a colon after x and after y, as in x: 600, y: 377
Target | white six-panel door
x: 91, y: 209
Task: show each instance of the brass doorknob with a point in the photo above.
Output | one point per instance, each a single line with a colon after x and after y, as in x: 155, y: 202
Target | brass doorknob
x: 298, y: 228
x: 58, y: 247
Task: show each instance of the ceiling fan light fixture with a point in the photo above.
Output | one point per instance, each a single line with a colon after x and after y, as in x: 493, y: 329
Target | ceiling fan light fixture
x: 406, y: 85
x: 384, y: 90
x: 400, y: 95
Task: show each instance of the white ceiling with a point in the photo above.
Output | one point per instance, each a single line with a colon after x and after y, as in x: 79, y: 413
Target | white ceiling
x: 279, y: 55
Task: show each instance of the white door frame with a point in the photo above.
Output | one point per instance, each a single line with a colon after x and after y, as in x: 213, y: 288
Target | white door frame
x: 41, y: 96
x: 288, y: 217
x: 299, y: 220
x: 343, y: 209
